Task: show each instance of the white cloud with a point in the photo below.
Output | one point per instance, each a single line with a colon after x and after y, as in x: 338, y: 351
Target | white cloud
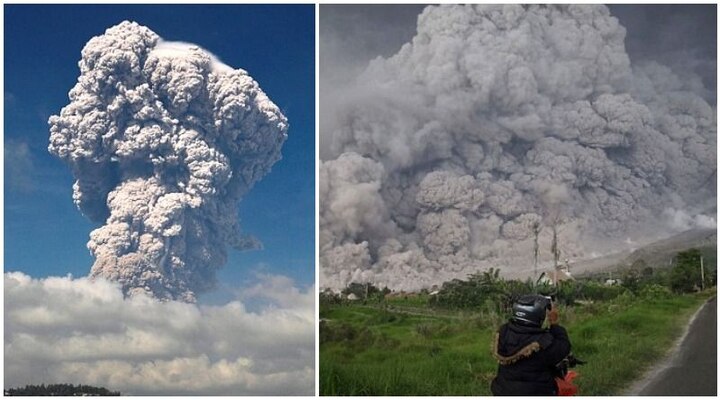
x: 82, y: 331
x: 180, y: 49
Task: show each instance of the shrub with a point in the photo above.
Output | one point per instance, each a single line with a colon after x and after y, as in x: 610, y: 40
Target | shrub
x: 655, y: 292
x: 631, y: 281
x: 512, y: 291
x: 424, y: 330
x: 597, y: 291
x: 685, y: 275
x: 485, y: 291
x: 461, y: 294
x: 339, y: 333
x: 568, y: 292
x: 365, y: 291
x: 647, y: 272
x: 624, y: 299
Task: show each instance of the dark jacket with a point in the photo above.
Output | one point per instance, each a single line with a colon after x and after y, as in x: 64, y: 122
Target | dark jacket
x: 527, y: 357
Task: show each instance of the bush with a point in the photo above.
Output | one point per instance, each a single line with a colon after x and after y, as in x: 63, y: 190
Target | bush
x: 568, y: 292
x: 631, y: 281
x: 685, y: 275
x: 597, y: 291
x: 458, y: 293
x: 328, y: 299
x: 655, y: 292
x: 485, y: 291
x: 424, y: 330
x: 712, y: 278
x: 339, y: 333
x: 624, y: 299
x: 647, y: 272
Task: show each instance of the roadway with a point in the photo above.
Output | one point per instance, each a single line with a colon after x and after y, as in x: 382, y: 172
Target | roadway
x: 692, y: 369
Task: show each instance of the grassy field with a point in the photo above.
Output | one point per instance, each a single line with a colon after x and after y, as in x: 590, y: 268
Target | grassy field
x: 405, y: 348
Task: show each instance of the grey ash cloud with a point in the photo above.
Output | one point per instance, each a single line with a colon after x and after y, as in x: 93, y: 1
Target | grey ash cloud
x: 163, y: 140
x: 438, y: 158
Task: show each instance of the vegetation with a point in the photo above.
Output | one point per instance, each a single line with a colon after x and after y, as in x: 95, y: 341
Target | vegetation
x: 62, y: 389
x: 439, y: 344
x: 686, y: 275
x: 485, y: 290
x: 365, y: 291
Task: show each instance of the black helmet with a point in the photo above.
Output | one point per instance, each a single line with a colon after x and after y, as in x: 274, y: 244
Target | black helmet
x: 530, y: 310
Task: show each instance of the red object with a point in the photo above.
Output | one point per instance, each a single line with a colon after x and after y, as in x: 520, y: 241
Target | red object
x: 565, y: 386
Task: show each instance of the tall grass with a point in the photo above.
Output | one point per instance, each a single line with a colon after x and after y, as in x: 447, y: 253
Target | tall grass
x: 376, y: 351
x: 621, y: 344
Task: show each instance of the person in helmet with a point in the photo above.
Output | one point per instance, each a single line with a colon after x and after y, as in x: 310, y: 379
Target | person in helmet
x: 526, y: 352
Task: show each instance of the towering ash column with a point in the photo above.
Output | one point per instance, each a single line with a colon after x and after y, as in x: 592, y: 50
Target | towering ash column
x: 163, y: 140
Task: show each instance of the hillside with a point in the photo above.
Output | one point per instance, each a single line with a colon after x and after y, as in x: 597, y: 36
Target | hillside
x: 657, y: 254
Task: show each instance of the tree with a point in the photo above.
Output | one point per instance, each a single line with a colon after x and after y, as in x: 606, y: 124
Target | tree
x: 685, y: 275
x: 483, y: 290
x: 647, y: 272
x: 363, y: 291
x: 62, y: 389
x: 631, y: 280
x: 712, y: 277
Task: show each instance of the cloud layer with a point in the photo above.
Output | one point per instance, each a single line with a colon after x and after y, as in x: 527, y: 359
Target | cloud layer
x: 440, y: 159
x: 84, y: 331
x: 163, y: 140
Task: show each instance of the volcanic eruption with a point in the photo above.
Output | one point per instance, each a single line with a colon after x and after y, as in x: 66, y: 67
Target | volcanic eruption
x: 442, y: 158
x: 163, y: 140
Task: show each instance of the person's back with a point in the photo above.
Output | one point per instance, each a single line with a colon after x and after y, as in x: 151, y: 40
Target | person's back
x: 527, y: 354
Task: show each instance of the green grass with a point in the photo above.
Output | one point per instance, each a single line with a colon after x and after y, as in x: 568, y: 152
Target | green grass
x: 620, y: 345
x: 368, y: 350
x: 411, y: 300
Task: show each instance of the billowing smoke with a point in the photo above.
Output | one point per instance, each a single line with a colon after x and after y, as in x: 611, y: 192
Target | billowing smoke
x: 443, y: 159
x: 163, y: 140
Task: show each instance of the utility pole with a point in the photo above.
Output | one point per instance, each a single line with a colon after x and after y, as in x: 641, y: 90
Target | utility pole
x: 536, y: 231
x: 556, y: 253
x: 702, y: 274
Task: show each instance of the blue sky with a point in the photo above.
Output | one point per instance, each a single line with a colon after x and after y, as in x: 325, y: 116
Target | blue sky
x: 45, y: 235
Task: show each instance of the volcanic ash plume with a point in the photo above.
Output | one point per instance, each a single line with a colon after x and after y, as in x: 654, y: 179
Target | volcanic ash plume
x: 495, y: 122
x: 163, y: 140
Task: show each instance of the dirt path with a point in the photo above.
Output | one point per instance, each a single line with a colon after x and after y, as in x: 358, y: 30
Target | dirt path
x: 692, y: 368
